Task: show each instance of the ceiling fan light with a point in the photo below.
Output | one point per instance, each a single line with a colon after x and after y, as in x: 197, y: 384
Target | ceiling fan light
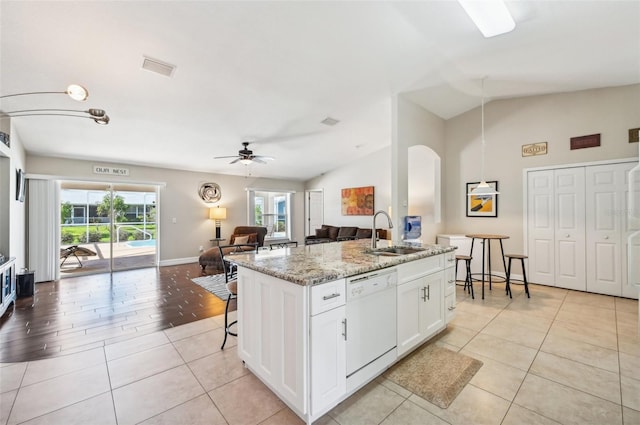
x: 246, y: 161
x: 77, y: 92
x: 490, y: 16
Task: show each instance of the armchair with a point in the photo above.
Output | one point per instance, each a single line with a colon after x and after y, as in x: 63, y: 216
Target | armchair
x: 255, y: 239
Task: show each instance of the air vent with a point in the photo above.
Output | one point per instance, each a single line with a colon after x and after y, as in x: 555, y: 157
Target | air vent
x: 158, y: 67
x: 330, y: 121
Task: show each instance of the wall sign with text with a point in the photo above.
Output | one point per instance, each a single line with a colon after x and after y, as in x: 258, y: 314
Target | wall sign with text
x: 111, y: 171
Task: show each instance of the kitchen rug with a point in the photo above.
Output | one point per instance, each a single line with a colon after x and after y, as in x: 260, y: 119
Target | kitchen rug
x: 214, y: 283
x: 434, y: 373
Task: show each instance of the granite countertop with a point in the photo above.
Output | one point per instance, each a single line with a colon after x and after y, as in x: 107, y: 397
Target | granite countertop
x: 320, y: 263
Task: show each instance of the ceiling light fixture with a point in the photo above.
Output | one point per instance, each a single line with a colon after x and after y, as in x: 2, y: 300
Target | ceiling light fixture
x: 97, y: 115
x: 483, y: 189
x: 490, y: 16
x: 74, y: 91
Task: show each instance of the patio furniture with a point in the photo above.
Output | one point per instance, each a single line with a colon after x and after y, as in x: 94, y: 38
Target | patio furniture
x: 75, y: 250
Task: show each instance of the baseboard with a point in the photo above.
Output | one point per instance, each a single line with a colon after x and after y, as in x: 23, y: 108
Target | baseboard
x: 178, y: 261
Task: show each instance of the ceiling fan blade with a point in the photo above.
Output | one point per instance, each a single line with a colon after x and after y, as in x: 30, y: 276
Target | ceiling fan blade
x: 235, y: 160
x: 258, y: 160
x: 263, y: 157
x: 224, y: 157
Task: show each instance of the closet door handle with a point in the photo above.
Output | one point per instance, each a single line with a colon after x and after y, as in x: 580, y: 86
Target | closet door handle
x: 424, y: 294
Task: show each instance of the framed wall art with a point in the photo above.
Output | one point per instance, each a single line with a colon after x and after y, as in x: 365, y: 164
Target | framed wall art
x: 482, y: 205
x: 358, y: 200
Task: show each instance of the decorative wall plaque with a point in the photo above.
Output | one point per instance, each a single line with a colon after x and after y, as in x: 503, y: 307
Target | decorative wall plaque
x: 210, y: 192
x: 634, y: 135
x: 590, y: 141
x: 534, y: 149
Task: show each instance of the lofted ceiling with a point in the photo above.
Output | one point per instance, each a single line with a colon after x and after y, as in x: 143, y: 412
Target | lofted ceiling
x: 270, y: 72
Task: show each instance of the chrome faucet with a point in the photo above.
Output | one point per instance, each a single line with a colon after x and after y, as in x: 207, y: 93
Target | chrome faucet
x: 374, y: 234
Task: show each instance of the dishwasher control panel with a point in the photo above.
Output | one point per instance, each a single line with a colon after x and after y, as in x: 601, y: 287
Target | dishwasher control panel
x: 370, y: 283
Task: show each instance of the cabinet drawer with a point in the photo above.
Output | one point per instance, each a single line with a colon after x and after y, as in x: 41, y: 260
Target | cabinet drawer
x: 450, y: 307
x: 328, y: 295
x: 414, y: 269
x: 449, y: 259
x: 449, y: 281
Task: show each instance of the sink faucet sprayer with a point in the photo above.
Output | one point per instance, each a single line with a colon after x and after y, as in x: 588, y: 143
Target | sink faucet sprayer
x: 374, y: 235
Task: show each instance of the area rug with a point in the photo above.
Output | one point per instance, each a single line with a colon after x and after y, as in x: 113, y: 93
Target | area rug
x: 434, y: 373
x: 214, y: 283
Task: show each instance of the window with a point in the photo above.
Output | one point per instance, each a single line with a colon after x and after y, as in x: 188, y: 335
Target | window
x: 271, y: 209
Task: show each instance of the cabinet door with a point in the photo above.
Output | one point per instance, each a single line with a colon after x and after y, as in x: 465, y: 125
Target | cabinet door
x: 420, y: 310
x: 328, y: 359
x: 432, y: 306
x: 409, y: 307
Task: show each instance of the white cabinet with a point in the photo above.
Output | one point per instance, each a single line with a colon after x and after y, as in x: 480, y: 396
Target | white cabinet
x: 328, y: 359
x: 420, y: 302
x: 464, y: 248
x: 7, y: 284
x: 449, y: 293
x: 273, y: 323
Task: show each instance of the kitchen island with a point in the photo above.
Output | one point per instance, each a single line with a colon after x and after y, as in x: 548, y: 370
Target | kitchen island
x: 312, y: 320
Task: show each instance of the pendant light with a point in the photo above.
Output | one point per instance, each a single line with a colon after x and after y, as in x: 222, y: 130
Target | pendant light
x: 483, y: 189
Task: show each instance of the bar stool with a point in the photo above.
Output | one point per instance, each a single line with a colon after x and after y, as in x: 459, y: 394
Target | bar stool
x: 468, y: 282
x: 524, y: 273
x: 232, y: 287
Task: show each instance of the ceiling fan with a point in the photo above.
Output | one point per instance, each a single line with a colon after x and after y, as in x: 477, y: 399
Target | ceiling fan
x: 246, y: 156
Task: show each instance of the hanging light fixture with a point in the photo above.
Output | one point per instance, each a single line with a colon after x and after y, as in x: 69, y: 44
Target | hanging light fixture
x: 483, y: 189
x: 97, y: 115
x: 75, y: 92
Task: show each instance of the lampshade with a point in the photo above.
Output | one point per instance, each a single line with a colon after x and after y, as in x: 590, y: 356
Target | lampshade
x: 217, y: 213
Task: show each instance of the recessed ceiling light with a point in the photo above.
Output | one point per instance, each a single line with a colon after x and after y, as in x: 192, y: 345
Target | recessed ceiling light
x: 158, y: 67
x: 330, y: 121
x: 490, y: 16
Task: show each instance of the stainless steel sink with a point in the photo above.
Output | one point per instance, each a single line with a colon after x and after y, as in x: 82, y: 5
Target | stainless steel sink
x: 394, y: 251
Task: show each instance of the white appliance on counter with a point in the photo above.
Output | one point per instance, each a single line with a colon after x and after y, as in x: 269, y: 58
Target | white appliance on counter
x: 633, y: 226
x: 371, y: 321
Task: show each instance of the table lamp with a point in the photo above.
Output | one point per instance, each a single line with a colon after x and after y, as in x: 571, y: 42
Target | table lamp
x: 217, y: 214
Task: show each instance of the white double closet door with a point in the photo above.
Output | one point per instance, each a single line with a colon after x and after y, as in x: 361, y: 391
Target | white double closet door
x: 576, y: 228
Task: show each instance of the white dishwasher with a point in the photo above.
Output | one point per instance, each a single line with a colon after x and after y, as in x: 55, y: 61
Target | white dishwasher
x: 371, y: 317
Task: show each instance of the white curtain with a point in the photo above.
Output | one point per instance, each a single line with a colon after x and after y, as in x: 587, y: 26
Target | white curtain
x: 43, y: 229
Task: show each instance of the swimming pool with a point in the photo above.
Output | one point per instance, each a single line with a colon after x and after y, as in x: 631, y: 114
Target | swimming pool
x: 142, y: 244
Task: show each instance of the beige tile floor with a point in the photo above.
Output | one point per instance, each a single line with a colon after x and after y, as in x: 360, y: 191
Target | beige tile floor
x: 561, y: 357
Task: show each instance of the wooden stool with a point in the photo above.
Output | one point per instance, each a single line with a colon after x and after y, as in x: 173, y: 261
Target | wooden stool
x: 467, y: 280
x: 232, y: 287
x: 524, y: 273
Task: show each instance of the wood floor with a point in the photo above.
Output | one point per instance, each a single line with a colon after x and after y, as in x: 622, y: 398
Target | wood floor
x: 78, y: 313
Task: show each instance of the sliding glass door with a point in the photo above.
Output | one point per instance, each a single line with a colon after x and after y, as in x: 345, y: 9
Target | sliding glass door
x: 106, y: 227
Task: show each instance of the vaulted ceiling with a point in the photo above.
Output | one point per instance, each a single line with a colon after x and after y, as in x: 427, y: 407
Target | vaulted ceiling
x: 270, y: 72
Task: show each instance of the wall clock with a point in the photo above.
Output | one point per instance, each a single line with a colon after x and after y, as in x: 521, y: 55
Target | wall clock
x: 210, y: 192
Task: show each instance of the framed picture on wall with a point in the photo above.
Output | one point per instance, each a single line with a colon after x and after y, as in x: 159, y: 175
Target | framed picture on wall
x: 482, y: 205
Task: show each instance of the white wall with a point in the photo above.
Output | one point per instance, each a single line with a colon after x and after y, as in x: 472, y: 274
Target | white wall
x: 511, y: 123
x: 415, y: 125
x: 372, y: 170
x: 12, y: 217
x: 179, y: 199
